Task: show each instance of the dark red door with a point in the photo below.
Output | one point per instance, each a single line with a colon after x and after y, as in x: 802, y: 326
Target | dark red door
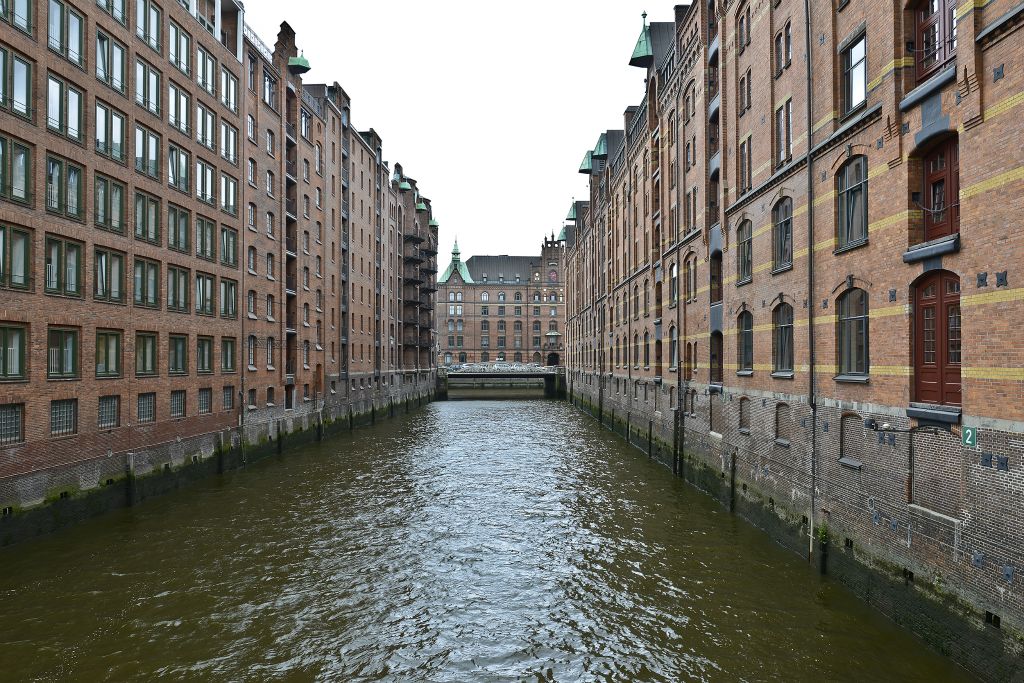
x: 937, y: 339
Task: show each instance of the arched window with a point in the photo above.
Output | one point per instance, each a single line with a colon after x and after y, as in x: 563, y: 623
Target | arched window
x: 688, y: 362
x: 789, y: 42
x: 745, y: 342
x: 485, y: 296
x: 270, y: 352
x: 636, y: 349
x: 462, y: 357
x: 673, y: 347
x: 782, y: 338
x: 451, y: 325
x: 782, y: 234
x: 782, y: 422
x: 501, y: 296
x: 485, y: 326
x: 744, y: 252
x: 852, y: 203
x: 647, y: 348
x: 716, y: 277
x: 674, y: 284
x: 852, y: 333
x: 517, y: 326
x: 647, y: 298
x: 458, y: 296
x: 941, y: 194
x: 536, y: 326
x: 779, y: 54
x: 485, y: 356
x: 636, y: 301
x: 459, y: 325
x: 518, y: 296
x: 687, y: 294
x: 252, y: 350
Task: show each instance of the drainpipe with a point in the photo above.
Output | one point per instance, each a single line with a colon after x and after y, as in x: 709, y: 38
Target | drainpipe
x: 680, y: 334
x: 810, y: 274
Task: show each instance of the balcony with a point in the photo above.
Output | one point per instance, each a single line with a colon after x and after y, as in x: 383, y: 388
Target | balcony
x: 291, y: 209
x: 344, y: 146
x: 290, y: 169
x: 714, y: 105
x: 289, y: 285
x: 413, y: 257
x: 344, y: 176
x: 344, y: 209
x: 289, y: 129
x: 290, y: 245
x: 290, y: 324
x: 412, y: 237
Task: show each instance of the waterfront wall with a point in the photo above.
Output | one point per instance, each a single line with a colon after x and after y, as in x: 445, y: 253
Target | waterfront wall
x: 44, y: 500
x: 937, y: 574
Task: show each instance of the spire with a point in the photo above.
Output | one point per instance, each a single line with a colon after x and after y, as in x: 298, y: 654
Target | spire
x: 643, y: 55
x: 455, y: 250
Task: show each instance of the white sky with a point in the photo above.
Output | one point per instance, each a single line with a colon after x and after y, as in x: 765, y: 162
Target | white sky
x: 490, y: 106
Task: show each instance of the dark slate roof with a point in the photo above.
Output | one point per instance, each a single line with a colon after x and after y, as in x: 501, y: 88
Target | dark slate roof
x: 507, y: 266
x: 663, y: 35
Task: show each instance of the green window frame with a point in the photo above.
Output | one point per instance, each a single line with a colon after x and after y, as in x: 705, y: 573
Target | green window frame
x: 147, y: 152
x: 204, y: 294
x: 147, y: 86
x: 147, y: 22
x: 110, y: 61
x: 64, y: 181
x: 145, y: 354
x: 15, y: 83
x: 108, y: 353
x: 179, y: 47
x: 177, y: 289
x: 108, y: 275
x: 64, y: 262
x: 146, y: 290
x: 228, y: 347
x: 206, y: 246
x: 13, y: 345
x: 178, y: 228
x: 108, y: 204
x: 204, y: 355
x: 228, y: 246
x: 15, y: 257
x: 18, y: 13
x: 64, y: 108
x: 177, y: 354
x: 147, y: 218
x: 228, y: 298
x: 178, y: 163
x: 62, y: 361
x: 110, y: 127
x: 66, y: 32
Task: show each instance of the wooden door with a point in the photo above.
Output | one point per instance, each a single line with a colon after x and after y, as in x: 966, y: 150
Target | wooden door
x: 937, y: 349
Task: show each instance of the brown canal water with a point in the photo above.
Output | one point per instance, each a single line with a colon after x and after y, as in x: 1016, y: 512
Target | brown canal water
x: 470, y: 541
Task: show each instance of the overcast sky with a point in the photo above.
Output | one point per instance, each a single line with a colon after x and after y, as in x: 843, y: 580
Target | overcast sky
x: 490, y: 106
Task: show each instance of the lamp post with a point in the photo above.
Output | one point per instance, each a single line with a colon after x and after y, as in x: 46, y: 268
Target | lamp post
x: 873, y: 425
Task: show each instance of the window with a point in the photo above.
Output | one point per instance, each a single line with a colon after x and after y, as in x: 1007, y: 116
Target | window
x: 108, y: 353
x: 179, y: 48
x: 229, y: 89
x: 269, y: 90
x: 109, y: 204
x: 270, y: 353
x: 228, y: 246
x: 205, y: 401
x: 64, y: 108
x: 782, y: 338
x: 62, y: 354
x: 251, y: 353
x: 937, y: 339
x: 271, y: 184
x: 745, y: 342
x: 147, y: 22
x: 179, y: 227
x: 251, y: 127
x: 270, y: 266
x: 744, y: 252
x: 13, y: 344
x: 177, y: 289
x: 65, y: 31
x: 110, y: 61
x: 228, y: 298
x: 178, y: 403
x: 63, y: 267
x: 64, y: 417
x: 942, y: 190
x: 145, y: 354
x: 12, y: 423
x: 852, y: 199
x: 784, y: 133
x: 228, y: 397
x: 229, y: 142
x: 779, y: 55
x: 716, y: 358
x: 673, y: 348
x: 227, y: 354
x: 788, y: 31
x: 742, y: 95
x: 250, y: 218
x: 228, y: 194
x: 782, y: 234
x: 64, y: 187
x: 147, y: 218
x: 177, y: 354
x: 15, y: 171
x: 205, y: 182
x: 852, y: 333
x: 206, y: 135
x: 250, y: 303
x: 205, y: 245
x: 147, y: 86
x: 179, y: 106
x: 108, y: 275
x: 204, y: 294
x: 936, y: 36
x: 204, y: 354
x: 19, y: 13
x: 15, y: 83
x: 147, y: 152
x: 109, y: 132
x: 146, y: 283
x: 178, y: 163
x: 146, y: 408
x: 271, y: 146
x: 206, y: 70
x: 745, y: 170
x: 854, y: 75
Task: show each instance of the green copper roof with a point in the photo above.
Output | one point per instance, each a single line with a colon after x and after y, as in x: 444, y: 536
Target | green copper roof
x: 421, y: 206
x: 643, y: 55
x: 404, y: 185
x: 456, y: 266
x: 601, y: 148
x: 433, y: 223
x: 298, y: 65
x: 561, y: 235
x: 572, y: 212
x: 588, y: 163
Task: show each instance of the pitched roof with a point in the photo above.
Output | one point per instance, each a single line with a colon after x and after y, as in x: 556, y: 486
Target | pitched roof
x: 456, y: 266
x: 496, y: 267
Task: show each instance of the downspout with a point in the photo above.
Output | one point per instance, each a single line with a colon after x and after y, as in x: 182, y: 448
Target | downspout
x: 680, y: 332
x: 810, y: 274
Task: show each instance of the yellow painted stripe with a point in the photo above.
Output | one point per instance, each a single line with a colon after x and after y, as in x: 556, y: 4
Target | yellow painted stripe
x: 994, y: 297
x: 899, y: 62
x: 992, y: 183
x: 824, y: 121
x: 998, y: 374
x: 1005, y: 105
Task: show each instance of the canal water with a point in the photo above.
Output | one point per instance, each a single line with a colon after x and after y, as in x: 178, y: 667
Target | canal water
x: 470, y: 541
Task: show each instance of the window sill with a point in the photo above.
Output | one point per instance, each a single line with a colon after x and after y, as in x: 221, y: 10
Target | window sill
x: 251, y: 368
x: 744, y: 430
x: 787, y: 374
x: 62, y: 379
x: 782, y: 268
x: 854, y: 112
x: 745, y: 281
x: 948, y: 244
x: 851, y: 463
x: 744, y: 373
x: 850, y: 247
x: 784, y: 443
x: 852, y: 379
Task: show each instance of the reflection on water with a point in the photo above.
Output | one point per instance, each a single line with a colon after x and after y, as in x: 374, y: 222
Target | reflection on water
x: 472, y: 541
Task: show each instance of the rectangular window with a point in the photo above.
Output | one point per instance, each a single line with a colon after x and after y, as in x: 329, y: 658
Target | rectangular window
x: 177, y: 354
x: 228, y: 398
x: 147, y: 22
x: 13, y: 344
x: 269, y: 90
x: 19, y: 13
x: 64, y: 417
x: 146, y: 410
x: 108, y: 275
x: 205, y: 246
x: 63, y: 267
x: 147, y: 218
x: 178, y: 163
x: 15, y: 83
x: 64, y: 108
x: 228, y: 298
x: 205, y: 182
x: 204, y: 354
x: 229, y: 142
x: 109, y: 132
x: 205, y: 401
x: 62, y: 354
x: 204, y: 294
x: 179, y: 48
x: 179, y: 106
x: 147, y: 152
x: 15, y: 171
x: 108, y: 353
x: 228, y: 246
x: 178, y: 403
x: 179, y: 226
x: 854, y: 75
x: 229, y: 89
x: 109, y: 412
x: 145, y: 354
x: 177, y: 289
x: 110, y: 61
x: 147, y: 86
x: 206, y: 69
x: 227, y: 354
x: 65, y: 28
x: 146, y: 283
x: 12, y: 423
x: 228, y: 194
x: 206, y: 135
x: 64, y: 188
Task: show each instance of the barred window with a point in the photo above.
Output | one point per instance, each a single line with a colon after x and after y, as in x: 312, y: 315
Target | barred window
x: 178, y: 403
x: 228, y: 398
x: 205, y: 401
x: 12, y: 420
x: 109, y: 412
x: 64, y: 417
x: 146, y: 410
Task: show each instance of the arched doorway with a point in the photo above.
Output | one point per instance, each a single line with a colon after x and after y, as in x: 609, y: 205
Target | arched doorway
x: 937, y: 339
x: 462, y: 357
x: 536, y: 357
x: 552, y: 359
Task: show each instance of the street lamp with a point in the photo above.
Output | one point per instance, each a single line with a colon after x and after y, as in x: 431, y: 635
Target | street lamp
x: 872, y: 424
